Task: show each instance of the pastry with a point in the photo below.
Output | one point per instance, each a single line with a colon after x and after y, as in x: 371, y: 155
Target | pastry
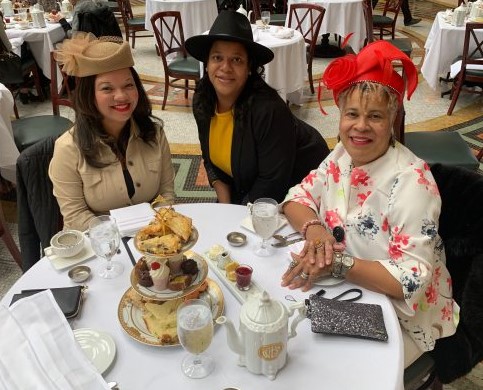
x: 160, y: 276
x: 142, y: 273
x: 164, y: 245
x: 180, y: 282
x: 189, y: 267
x: 174, y: 264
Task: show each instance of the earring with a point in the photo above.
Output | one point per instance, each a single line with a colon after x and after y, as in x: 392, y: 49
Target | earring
x: 392, y: 142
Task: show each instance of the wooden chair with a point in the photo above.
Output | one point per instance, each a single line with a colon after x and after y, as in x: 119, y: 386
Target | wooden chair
x: 468, y: 77
x: 131, y: 24
x: 168, y: 31
x: 8, y: 240
x: 276, y: 19
x: 403, y: 44
x: 28, y: 131
x: 299, y: 16
x: 386, y: 23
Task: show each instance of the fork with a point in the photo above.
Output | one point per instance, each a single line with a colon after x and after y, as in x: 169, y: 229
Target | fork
x: 285, y: 238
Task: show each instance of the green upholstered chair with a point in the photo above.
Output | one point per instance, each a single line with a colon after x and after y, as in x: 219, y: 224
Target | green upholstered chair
x: 386, y: 23
x: 28, y: 131
x: 131, y: 24
x: 168, y: 31
x: 447, y: 148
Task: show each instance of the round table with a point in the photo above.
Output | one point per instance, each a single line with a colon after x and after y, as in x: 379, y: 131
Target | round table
x: 341, y: 17
x: 314, y: 360
x: 196, y: 15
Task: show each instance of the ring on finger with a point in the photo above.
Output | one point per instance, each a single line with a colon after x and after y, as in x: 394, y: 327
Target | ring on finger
x: 293, y: 264
x: 318, y: 244
x: 304, y: 276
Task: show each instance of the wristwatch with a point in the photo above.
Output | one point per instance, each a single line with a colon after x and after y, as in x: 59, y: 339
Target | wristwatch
x: 341, y: 263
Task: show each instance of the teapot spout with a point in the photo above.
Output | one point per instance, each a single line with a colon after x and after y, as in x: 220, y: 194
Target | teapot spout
x: 234, y: 339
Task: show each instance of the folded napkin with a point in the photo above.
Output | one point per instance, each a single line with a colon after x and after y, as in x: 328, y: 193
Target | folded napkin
x: 132, y: 218
x: 283, y: 32
x: 38, y: 349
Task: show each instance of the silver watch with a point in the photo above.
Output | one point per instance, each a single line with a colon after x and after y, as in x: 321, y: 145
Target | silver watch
x: 341, y: 263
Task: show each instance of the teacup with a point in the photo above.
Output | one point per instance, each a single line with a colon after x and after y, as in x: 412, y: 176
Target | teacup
x: 66, y: 243
x: 23, y: 24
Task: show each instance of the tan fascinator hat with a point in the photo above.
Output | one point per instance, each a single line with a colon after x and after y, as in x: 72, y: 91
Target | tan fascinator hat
x: 85, y: 55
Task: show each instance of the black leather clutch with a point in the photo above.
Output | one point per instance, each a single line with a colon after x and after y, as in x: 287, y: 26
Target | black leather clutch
x: 345, y: 318
x: 69, y: 299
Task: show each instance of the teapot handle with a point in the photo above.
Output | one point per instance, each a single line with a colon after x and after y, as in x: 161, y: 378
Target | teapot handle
x: 302, y: 309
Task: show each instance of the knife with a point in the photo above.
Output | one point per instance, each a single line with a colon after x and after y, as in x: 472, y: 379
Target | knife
x: 287, y: 243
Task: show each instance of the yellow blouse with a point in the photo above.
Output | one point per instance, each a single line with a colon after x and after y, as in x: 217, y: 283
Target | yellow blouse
x: 221, y: 137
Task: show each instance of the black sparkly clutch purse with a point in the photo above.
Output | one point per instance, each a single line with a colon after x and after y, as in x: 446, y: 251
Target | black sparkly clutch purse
x: 344, y: 318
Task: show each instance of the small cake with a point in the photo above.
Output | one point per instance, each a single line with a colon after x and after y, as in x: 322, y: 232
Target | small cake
x: 214, y: 251
x: 180, y: 282
x: 142, y: 272
x: 230, y: 270
x: 174, y: 264
x: 160, y: 276
x: 189, y: 267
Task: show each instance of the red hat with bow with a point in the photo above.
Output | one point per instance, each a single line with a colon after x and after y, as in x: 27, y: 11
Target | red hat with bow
x: 373, y: 63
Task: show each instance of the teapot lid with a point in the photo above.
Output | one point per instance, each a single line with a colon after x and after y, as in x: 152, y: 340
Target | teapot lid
x: 263, y: 310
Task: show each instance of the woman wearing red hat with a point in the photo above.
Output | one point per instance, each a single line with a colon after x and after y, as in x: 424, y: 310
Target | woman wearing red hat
x: 378, y: 200
x: 252, y: 144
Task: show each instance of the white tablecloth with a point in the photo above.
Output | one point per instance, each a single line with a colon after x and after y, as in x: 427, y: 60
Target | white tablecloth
x: 341, y: 17
x: 444, y: 43
x: 8, y: 150
x: 41, y: 42
x: 315, y: 361
x: 196, y: 15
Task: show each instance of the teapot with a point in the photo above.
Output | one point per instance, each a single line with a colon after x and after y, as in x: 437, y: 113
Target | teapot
x: 65, y: 7
x: 475, y: 8
x: 459, y: 15
x: 37, y: 14
x: 7, y: 7
x: 244, y: 12
x: 261, y: 341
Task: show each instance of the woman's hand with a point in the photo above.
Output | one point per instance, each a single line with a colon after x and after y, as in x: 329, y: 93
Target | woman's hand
x: 302, y: 274
x: 318, y: 246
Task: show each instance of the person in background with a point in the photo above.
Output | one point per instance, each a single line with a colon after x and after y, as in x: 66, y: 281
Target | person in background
x: 408, y: 18
x: 116, y: 154
x: 252, y: 144
x: 379, y: 199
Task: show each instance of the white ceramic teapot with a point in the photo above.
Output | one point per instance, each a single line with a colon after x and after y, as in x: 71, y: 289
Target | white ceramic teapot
x: 7, y: 7
x: 244, y: 12
x: 261, y: 341
x: 37, y: 14
x: 459, y: 15
x: 476, y: 6
x: 65, y: 8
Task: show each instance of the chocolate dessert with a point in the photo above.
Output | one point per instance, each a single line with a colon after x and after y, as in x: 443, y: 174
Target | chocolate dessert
x: 142, y: 272
x: 189, y: 267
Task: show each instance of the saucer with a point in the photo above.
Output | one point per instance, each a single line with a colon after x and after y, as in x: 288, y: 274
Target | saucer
x: 99, y: 347
x: 60, y: 263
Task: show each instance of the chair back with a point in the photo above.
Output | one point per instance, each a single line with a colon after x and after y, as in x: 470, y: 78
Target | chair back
x: 61, y: 93
x: 126, y: 10
x: 168, y: 31
x: 392, y: 7
x: 367, y: 9
x: 307, y: 19
x: 7, y: 238
x: 257, y: 10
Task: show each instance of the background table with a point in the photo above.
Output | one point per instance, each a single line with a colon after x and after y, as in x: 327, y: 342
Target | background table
x: 8, y: 150
x: 444, y: 43
x: 196, y: 15
x: 341, y: 17
x: 314, y: 360
x: 41, y: 42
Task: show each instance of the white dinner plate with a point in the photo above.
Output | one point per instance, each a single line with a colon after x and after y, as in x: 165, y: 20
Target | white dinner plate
x: 99, y: 347
x: 60, y: 263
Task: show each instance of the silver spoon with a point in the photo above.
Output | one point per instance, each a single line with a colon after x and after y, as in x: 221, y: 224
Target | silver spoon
x: 285, y: 238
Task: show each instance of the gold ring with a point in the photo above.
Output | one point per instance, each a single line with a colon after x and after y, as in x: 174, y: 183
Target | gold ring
x: 293, y: 264
x: 304, y: 276
x: 318, y: 244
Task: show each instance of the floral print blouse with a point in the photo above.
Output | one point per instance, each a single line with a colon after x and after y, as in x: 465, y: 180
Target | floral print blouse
x: 389, y: 210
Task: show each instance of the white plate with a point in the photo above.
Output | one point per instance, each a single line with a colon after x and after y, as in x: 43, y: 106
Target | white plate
x: 99, y: 347
x: 326, y: 281
x: 247, y: 223
x: 60, y: 263
x: 131, y: 317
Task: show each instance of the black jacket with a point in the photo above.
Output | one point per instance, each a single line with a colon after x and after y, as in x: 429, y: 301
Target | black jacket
x: 38, y: 212
x: 271, y: 151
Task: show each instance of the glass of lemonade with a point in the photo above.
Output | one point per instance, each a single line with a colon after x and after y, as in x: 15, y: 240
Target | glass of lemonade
x: 265, y: 222
x: 265, y: 16
x: 195, y: 332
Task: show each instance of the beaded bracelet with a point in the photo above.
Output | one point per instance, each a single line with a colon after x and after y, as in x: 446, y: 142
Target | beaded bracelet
x: 309, y: 223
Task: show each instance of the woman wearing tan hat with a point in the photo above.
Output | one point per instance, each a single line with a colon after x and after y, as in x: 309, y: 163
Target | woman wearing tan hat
x: 379, y: 200
x: 252, y: 145
x: 116, y: 154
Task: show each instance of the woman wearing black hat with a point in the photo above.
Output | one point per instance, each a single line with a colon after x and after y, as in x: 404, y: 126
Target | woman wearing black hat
x: 252, y: 145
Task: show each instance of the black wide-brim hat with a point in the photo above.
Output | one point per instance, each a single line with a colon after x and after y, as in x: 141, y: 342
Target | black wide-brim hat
x: 229, y: 26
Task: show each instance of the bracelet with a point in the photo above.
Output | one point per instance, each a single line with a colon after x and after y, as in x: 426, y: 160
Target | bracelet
x: 309, y: 223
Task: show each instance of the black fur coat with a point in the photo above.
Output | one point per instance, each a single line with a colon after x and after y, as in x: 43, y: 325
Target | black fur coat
x: 461, y: 228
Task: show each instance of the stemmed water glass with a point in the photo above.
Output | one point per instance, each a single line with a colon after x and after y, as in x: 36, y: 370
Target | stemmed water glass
x: 195, y: 332
x: 105, y: 239
x: 265, y: 221
x: 265, y: 16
